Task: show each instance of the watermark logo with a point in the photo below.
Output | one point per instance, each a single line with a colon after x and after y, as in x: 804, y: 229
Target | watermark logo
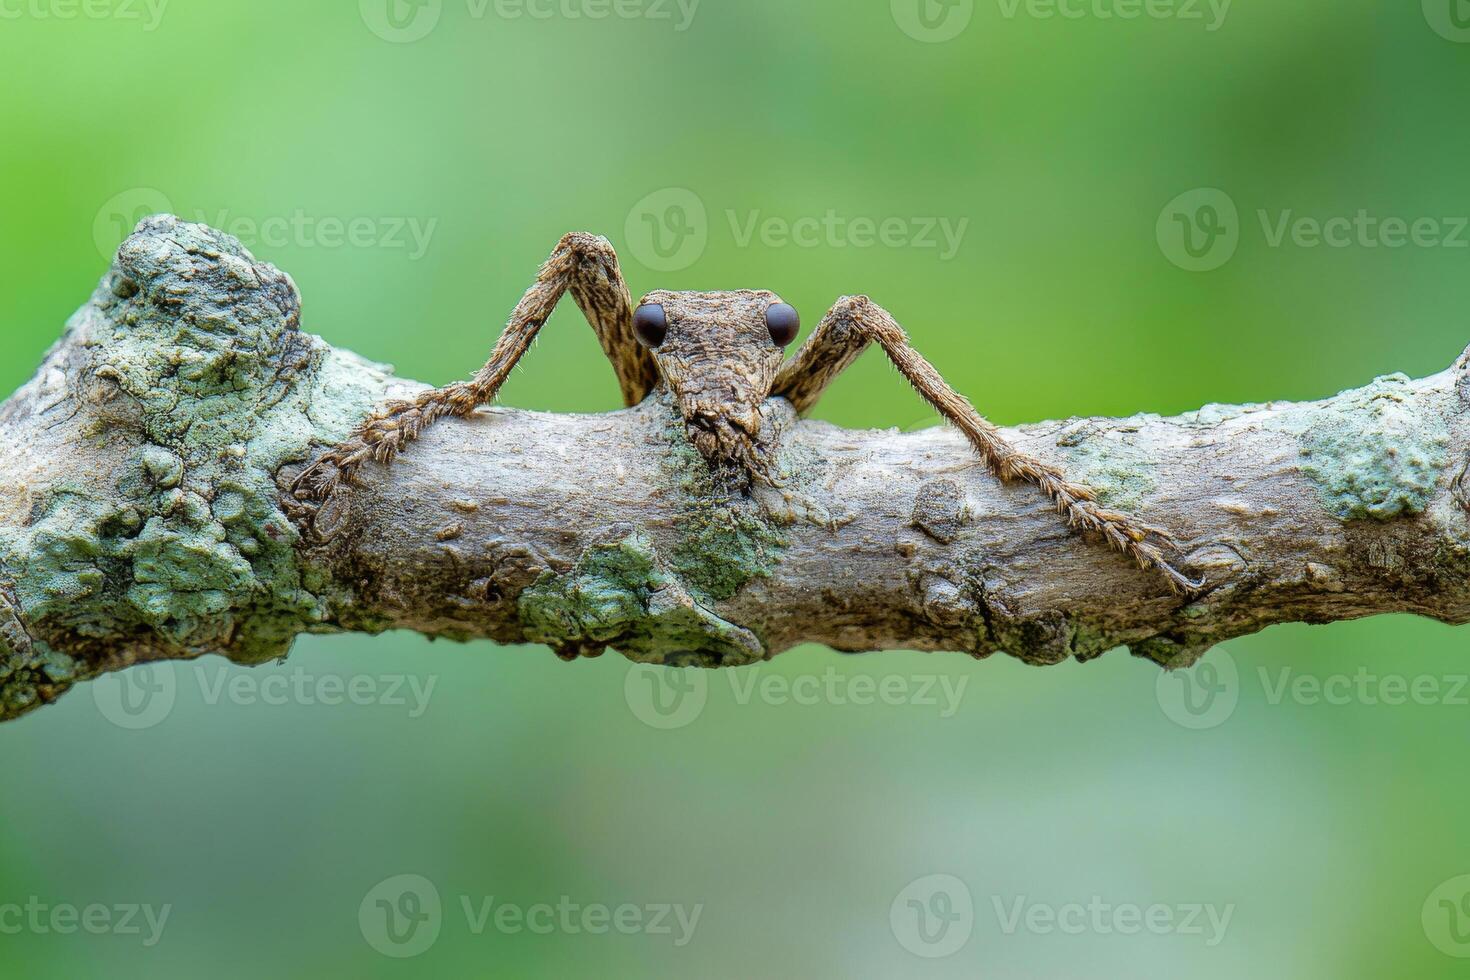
x: 674, y: 920
x: 933, y: 916
x: 1365, y: 687
x: 666, y: 697
x: 149, y: 13
x: 406, y: 21
x: 1199, y: 230
x: 673, y: 697
x: 1099, y: 917
x: 932, y: 21
x: 1202, y: 697
x: 680, y: 13
x: 942, y: 235
x: 1362, y: 230
x: 401, y: 916
x: 1206, y: 695
x: 145, y: 695
x: 1446, y: 917
x: 1449, y: 18
x: 410, y: 235
x: 668, y: 230
x: 401, y: 21
x: 96, y: 919
x: 139, y: 697
x: 1210, y: 13
x: 117, y: 218
x: 942, y: 693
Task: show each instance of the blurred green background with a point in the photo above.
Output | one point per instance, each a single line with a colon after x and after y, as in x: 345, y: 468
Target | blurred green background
x: 803, y: 827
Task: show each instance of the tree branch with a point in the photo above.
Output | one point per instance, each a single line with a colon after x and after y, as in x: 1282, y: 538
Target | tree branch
x: 141, y: 516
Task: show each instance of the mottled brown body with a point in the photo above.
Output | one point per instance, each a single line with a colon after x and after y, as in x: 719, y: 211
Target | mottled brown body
x: 719, y: 362
x: 720, y: 354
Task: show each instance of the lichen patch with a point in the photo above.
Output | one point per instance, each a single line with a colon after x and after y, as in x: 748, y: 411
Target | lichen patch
x: 205, y: 387
x: 621, y: 595
x: 1373, y: 453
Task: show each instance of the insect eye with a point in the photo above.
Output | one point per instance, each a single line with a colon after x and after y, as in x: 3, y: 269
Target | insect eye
x: 783, y: 323
x: 650, y: 324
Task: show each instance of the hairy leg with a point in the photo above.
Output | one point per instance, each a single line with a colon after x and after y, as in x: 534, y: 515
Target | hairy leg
x: 583, y: 264
x: 856, y: 321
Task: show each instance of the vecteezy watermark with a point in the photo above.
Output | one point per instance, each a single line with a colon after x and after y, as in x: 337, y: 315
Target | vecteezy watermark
x: 1209, y: 13
x: 669, y: 230
x: 144, y: 696
x: 399, y: 233
x: 1446, y: 917
x: 401, y: 21
x: 402, y: 917
x: 666, y: 697
x: 672, y: 920
x: 833, y: 230
x: 673, y: 697
x: 932, y: 21
x: 117, y: 218
x: 933, y: 916
x: 1365, y: 687
x: 833, y: 687
x: 406, y: 21
x: 1206, y: 695
x: 148, y: 13
x: 1200, y: 230
x: 96, y: 918
x: 935, y: 21
x: 1363, y: 230
x: 137, y: 698
x: 1450, y: 19
x: 1203, y: 696
x: 1102, y: 918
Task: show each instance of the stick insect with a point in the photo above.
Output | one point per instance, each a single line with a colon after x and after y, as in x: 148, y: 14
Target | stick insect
x: 721, y: 355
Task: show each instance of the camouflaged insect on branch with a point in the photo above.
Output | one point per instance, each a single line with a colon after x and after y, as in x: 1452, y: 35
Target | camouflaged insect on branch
x: 146, y: 512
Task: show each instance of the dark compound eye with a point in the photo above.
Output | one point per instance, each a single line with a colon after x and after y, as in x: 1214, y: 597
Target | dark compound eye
x: 650, y: 324
x: 783, y: 323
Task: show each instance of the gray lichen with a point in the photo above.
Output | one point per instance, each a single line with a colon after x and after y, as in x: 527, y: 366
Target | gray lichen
x: 1371, y: 453
x: 725, y: 538
x: 1110, y: 462
x: 621, y: 595
x: 203, y: 386
x: 656, y: 606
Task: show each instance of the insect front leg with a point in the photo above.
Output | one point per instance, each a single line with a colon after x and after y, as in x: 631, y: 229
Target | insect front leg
x: 583, y: 264
x: 856, y: 321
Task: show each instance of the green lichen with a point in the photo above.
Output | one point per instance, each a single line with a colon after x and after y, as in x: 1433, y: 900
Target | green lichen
x: 207, y: 387
x: 1110, y: 463
x: 26, y: 666
x: 1372, y: 453
x: 655, y: 607
x: 725, y: 539
x: 621, y: 595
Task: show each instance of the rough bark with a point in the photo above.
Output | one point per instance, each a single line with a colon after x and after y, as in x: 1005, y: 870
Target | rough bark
x: 141, y: 516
